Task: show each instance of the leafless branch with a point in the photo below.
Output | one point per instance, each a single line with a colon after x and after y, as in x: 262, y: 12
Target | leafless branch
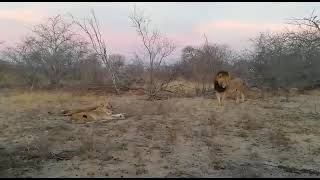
x: 157, y: 48
x: 312, y: 21
x: 92, y: 28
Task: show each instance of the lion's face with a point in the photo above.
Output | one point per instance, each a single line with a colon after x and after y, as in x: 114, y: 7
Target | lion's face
x: 223, y: 80
x: 105, y: 107
x: 108, y: 105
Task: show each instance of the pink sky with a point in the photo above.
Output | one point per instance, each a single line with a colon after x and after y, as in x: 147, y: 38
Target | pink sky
x: 27, y: 16
x: 184, y: 23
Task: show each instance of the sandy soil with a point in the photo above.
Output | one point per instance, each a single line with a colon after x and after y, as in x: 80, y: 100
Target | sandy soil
x: 178, y: 137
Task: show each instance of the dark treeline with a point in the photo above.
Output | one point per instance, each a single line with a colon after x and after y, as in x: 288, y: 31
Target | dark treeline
x: 55, y: 55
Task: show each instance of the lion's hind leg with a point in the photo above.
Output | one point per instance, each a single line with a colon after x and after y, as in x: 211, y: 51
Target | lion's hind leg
x: 242, y: 97
x: 237, y: 95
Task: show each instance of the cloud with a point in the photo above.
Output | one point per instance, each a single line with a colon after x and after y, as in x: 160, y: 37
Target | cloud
x: 28, y: 16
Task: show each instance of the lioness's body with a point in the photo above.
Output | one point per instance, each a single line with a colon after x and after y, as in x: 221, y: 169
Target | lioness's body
x: 102, y: 112
x: 225, y: 84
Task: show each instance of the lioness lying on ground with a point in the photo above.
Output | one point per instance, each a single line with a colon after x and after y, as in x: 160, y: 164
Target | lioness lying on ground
x: 225, y: 84
x: 101, y: 112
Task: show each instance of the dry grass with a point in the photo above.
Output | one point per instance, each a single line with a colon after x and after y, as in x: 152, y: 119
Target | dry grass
x: 248, y: 122
x: 29, y: 100
x: 279, y: 138
x: 175, y: 137
x: 88, y: 144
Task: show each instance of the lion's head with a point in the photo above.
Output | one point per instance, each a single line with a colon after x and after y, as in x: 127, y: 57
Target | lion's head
x: 108, y: 105
x: 221, y: 80
x: 105, y: 107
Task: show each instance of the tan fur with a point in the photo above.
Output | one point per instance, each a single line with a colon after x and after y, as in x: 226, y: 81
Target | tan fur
x: 232, y: 85
x: 223, y: 79
x: 237, y: 86
x: 98, y: 113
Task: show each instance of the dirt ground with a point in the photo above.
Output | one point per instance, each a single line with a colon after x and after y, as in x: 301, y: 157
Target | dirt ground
x: 178, y: 137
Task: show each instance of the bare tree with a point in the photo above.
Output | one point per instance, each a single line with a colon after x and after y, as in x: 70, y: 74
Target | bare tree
x: 51, y: 50
x: 157, y: 47
x: 57, y: 44
x: 135, y: 69
x: 89, y: 70
x: 117, y: 61
x: 27, y: 60
x: 313, y: 21
x: 92, y: 28
x: 287, y: 59
x: 201, y: 63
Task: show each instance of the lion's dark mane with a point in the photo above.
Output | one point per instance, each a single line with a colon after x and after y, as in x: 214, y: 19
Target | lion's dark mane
x: 217, y: 87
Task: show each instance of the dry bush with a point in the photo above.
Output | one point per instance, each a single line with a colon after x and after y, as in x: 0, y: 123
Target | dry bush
x: 182, y: 88
x: 9, y: 75
x: 200, y: 64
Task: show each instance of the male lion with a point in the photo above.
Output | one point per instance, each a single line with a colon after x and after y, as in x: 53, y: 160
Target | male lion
x: 224, y: 84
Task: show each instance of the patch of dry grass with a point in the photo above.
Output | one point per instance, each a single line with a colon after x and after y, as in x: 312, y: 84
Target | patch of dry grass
x: 279, y: 138
x: 187, y: 129
x: 28, y: 100
x: 249, y: 123
x: 88, y: 144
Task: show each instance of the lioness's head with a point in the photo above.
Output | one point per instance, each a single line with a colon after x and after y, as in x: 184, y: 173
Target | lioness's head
x: 223, y: 78
x: 108, y: 105
x: 105, y: 106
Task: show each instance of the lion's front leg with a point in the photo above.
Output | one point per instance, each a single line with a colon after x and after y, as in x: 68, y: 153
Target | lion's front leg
x: 237, y: 96
x: 242, y: 97
x: 219, y: 98
x: 223, y: 98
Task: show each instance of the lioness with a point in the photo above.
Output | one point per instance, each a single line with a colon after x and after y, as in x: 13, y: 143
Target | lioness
x: 102, y: 112
x: 225, y: 84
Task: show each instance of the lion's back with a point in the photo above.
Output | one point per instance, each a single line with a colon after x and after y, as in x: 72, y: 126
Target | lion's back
x: 237, y: 83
